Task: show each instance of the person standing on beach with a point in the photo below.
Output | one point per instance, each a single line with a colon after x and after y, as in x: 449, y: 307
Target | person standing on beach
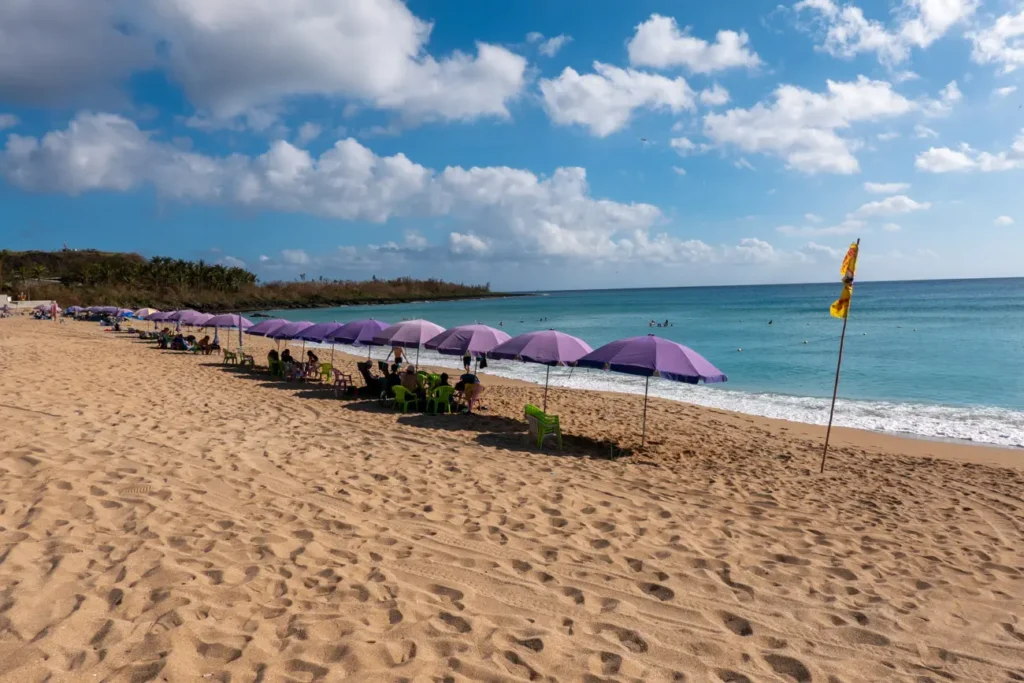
x: 397, y: 351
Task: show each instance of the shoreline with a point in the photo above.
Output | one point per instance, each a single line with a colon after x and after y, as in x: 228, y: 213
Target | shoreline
x: 494, y: 370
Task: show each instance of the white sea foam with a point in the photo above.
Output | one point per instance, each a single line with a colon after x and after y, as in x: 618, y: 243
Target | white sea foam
x: 981, y: 424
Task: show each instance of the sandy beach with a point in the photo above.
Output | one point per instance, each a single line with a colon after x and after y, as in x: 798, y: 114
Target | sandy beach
x: 165, y: 518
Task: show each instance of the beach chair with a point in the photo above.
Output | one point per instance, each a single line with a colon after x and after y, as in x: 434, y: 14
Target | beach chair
x: 245, y: 359
x: 276, y: 368
x: 326, y: 369
x: 441, y: 400
x: 403, y: 399
x: 230, y: 357
x: 433, y: 379
x: 343, y: 382
x: 542, y: 425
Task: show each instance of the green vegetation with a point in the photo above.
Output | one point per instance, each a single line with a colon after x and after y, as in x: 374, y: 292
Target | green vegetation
x: 90, y: 277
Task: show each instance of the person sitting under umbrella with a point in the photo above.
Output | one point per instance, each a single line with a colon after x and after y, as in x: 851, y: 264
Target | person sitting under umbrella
x: 392, y: 380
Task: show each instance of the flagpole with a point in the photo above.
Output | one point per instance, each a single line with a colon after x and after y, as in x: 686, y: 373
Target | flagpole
x: 835, y: 387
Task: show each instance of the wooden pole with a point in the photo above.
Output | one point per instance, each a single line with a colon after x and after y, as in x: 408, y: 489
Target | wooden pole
x: 835, y: 386
x: 643, y: 434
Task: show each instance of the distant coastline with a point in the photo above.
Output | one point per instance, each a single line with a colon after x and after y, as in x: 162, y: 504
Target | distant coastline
x: 305, y: 305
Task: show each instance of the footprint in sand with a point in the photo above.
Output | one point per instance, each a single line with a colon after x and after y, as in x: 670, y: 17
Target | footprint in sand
x: 663, y: 593
x: 788, y: 667
x: 454, y: 623
x: 736, y: 624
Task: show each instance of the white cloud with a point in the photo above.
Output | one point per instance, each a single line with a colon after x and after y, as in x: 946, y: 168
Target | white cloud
x: 743, y: 163
x: 234, y: 56
x: 604, y: 101
x: 814, y: 250
x: 813, y: 218
x: 1000, y: 43
x: 679, y: 170
x: 923, y: 132
x: 659, y: 43
x: 885, y: 137
x: 308, y: 132
x: 949, y: 96
x: 56, y: 51
x: 891, y: 227
x: 715, y: 96
x: 684, y: 146
x: 1003, y: 221
x: 919, y: 23
x: 264, y: 258
x: 295, y: 257
x: 8, y: 121
x: 886, y: 188
x: 847, y: 227
x: 414, y: 240
x: 965, y: 159
x: 801, y: 126
x: 466, y: 244
x: 232, y: 262
x: 551, y: 46
x: 1005, y: 91
x: 890, y: 206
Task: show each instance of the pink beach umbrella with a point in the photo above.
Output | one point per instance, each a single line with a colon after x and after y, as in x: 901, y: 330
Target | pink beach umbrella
x: 546, y: 347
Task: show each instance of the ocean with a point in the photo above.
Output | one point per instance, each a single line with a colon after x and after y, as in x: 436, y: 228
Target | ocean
x: 937, y: 359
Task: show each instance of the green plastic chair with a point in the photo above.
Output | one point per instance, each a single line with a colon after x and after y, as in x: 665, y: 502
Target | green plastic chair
x: 441, y: 400
x: 403, y: 399
x: 326, y: 370
x: 542, y: 425
x: 230, y: 357
x: 433, y: 380
x: 276, y: 368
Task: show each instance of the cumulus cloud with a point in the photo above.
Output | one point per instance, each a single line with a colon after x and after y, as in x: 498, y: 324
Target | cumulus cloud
x: 308, y: 132
x: 232, y: 262
x: 659, y: 43
x: 813, y: 218
x: 234, y: 56
x: 548, y: 47
x: 1005, y: 91
x: 8, y: 121
x: 886, y: 188
x: 715, y: 96
x: 891, y: 227
x: 967, y: 159
x: 923, y: 132
x: 1004, y: 221
x: 1000, y: 43
x: 294, y: 257
x: 890, y: 206
x: 802, y: 126
x: 604, y: 101
x: 846, y: 31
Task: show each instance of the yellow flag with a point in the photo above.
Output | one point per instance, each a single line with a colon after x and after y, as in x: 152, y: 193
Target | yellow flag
x: 850, y: 262
x: 841, y: 306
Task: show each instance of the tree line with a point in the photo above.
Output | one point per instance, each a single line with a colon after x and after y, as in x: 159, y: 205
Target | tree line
x: 88, y: 277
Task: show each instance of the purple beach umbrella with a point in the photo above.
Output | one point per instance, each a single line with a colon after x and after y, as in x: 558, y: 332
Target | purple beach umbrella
x: 472, y: 340
x: 228, y: 320
x: 409, y: 334
x: 545, y: 347
x: 176, y: 316
x: 290, y: 330
x: 262, y: 329
x: 652, y: 356
x: 319, y: 333
x: 358, y: 333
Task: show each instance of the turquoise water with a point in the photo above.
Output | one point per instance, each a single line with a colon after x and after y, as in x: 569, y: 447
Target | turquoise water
x: 941, y: 359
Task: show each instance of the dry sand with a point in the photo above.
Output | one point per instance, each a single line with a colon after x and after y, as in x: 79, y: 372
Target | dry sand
x: 162, y: 518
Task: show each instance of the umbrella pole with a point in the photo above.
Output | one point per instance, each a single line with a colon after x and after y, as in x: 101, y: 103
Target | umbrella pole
x: 643, y: 434
x: 417, y: 358
x: 547, y: 376
x: 332, y: 354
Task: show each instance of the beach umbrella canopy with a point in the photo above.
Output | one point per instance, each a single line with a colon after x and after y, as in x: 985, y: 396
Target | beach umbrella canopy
x: 75, y: 309
x: 160, y: 316
x: 473, y: 340
x: 125, y: 313
x: 358, y: 332
x: 261, y: 329
x: 107, y: 309
x: 144, y: 313
x: 319, y: 332
x: 176, y: 316
x: 546, y: 347
x: 652, y: 356
x: 289, y: 330
x: 229, y: 320
x: 198, y: 319
x: 409, y: 334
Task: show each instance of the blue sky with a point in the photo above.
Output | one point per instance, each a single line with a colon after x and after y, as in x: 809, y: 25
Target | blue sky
x: 533, y: 144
